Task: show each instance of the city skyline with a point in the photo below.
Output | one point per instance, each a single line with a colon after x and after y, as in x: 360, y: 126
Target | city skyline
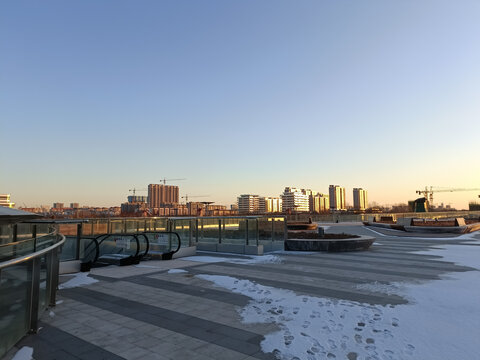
x: 98, y: 98
x: 439, y: 198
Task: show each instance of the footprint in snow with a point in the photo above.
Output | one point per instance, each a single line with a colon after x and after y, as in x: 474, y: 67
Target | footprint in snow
x: 409, y: 349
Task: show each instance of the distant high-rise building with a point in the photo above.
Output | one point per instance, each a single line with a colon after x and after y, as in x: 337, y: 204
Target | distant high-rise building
x: 58, y: 205
x: 360, y: 199
x: 337, y: 198
x: 74, y: 205
x: 294, y: 199
x: 137, y: 199
x: 248, y: 204
x: 160, y: 195
x: 319, y: 203
x: 270, y: 205
x: 5, y: 201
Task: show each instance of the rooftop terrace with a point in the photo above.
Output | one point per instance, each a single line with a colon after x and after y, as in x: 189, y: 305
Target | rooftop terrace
x: 410, y: 296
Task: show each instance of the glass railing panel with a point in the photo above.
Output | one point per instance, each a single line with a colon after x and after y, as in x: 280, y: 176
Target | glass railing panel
x: 252, y: 231
x: 118, y: 244
x: 69, y: 249
x: 15, y: 285
x: 233, y: 231
x: 24, y: 231
x: 116, y: 227
x: 6, y: 234
x: 131, y: 226
x: 160, y: 243
x: 279, y: 229
x: 183, y: 228
x: 208, y: 230
x: 160, y: 224
x: 11, y: 251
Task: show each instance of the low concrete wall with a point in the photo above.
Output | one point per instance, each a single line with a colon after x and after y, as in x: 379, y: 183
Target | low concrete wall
x: 186, y: 251
x: 232, y: 248
x: 437, y: 229
x: 275, y: 246
x: 69, y: 267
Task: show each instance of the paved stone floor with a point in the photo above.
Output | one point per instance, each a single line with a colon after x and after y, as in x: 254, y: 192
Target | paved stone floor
x: 147, y: 313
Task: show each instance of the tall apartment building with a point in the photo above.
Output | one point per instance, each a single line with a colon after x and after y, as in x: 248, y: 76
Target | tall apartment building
x: 270, y: 205
x: 337, y: 198
x: 58, y: 205
x: 74, y: 205
x: 160, y: 195
x: 360, y: 199
x: 294, y: 199
x: 319, y: 203
x: 5, y: 201
x: 248, y: 204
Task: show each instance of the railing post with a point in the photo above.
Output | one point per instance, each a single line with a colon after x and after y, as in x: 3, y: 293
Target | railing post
x: 53, y: 276
x: 34, y: 236
x: 257, y: 235
x: 285, y: 229
x: 34, y: 295
x: 196, y: 230
x: 273, y: 229
x: 190, y: 232
x: 14, y: 239
x: 79, y: 237
x: 219, y: 231
x: 246, y: 231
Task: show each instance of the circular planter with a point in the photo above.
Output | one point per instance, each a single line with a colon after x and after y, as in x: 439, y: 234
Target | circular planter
x: 329, y: 245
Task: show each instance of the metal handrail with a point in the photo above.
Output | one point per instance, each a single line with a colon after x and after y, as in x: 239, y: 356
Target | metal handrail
x: 29, y: 239
x: 33, y: 255
x: 179, y: 241
x: 106, y: 236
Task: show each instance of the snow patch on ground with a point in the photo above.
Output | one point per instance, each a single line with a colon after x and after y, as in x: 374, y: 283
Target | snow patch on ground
x: 285, y: 252
x: 439, y: 322
x: 58, y: 302
x: 51, y: 314
x: 79, y: 279
x: 146, y: 266
x: 246, y: 260
x: 176, y: 271
x: 25, y: 353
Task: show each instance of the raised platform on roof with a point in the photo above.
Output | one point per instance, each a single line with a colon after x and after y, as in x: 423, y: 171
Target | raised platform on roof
x: 166, y: 310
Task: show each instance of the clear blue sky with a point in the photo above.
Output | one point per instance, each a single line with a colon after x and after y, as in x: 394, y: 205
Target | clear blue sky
x: 97, y: 97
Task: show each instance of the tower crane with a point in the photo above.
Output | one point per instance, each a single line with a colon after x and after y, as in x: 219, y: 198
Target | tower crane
x: 186, y: 197
x: 165, y: 180
x: 135, y: 190
x: 428, y: 192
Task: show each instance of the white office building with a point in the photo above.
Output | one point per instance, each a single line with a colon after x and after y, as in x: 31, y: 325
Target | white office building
x: 248, y: 204
x: 296, y: 200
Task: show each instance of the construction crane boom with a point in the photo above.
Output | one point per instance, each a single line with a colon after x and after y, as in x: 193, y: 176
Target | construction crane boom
x: 186, y: 197
x: 134, y: 190
x: 428, y: 192
x: 164, y: 180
